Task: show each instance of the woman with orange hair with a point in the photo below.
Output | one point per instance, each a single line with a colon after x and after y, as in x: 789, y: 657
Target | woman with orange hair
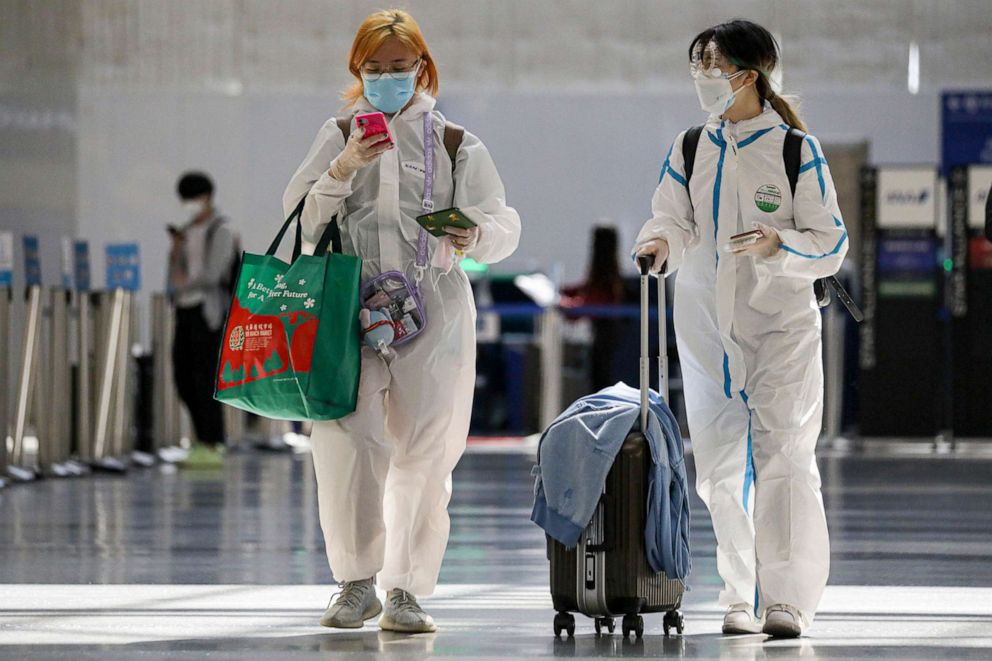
x: 384, y: 472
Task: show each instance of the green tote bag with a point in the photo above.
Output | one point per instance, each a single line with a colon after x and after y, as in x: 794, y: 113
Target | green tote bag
x: 291, y: 348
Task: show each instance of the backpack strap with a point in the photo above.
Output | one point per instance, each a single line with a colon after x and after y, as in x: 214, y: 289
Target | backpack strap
x: 689, y: 144
x: 212, y: 231
x: 453, y: 136
x: 792, y: 154
x: 208, y: 242
x: 344, y: 125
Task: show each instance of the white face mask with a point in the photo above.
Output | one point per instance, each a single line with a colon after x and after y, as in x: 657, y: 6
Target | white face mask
x: 192, y: 208
x: 717, y: 95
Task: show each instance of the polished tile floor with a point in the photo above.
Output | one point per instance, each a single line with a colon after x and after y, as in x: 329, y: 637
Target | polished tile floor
x: 230, y: 565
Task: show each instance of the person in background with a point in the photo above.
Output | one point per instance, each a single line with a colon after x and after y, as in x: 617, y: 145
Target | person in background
x: 202, y: 264
x: 603, y: 286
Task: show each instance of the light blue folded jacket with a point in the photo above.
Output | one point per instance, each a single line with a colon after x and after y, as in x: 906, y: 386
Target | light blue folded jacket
x: 575, y: 455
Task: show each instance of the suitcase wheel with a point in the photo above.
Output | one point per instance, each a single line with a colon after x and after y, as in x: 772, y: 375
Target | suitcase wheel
x: 607, y: 622
x: 633, y: 624
x: 674, y: 620
x: 564, y: 622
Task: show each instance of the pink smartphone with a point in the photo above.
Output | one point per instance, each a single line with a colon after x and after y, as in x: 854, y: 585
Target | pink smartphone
x: 374, y: 123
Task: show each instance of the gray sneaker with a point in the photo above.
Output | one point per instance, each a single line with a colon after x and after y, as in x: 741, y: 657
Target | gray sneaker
x: 740, y: 620
x: 355, y: 603
x: 783, y: 621
x: 404, y: 615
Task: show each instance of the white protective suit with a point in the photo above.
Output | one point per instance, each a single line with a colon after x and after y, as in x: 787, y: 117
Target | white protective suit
x: 748, y: 333
x: 384, y: 472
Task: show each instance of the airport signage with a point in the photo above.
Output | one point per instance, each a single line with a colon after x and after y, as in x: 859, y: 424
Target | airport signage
x: 907, y: 198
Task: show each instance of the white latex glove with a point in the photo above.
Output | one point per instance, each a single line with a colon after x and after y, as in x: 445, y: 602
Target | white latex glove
x: 358, y: 152
x: 658, y: 250
x: 463, y: 240
x: 764, y: 247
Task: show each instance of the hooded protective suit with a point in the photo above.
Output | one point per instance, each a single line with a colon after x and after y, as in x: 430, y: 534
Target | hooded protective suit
x: 384, y: 472
x: 748, y: 333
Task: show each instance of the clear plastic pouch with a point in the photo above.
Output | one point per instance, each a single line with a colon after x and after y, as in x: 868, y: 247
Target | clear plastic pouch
x: 392, y: 294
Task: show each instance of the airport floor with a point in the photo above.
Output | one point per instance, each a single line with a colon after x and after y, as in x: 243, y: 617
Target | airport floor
x: 174, y: 564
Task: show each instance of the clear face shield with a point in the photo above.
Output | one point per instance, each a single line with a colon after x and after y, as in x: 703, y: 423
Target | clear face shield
x: 712, y: 72
x: 707, y: 62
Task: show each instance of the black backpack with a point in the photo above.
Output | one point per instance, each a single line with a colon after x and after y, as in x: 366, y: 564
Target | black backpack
x: 792, y: 153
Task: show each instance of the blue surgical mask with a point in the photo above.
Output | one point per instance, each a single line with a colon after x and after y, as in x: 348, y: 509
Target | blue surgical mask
x: 391, y: 92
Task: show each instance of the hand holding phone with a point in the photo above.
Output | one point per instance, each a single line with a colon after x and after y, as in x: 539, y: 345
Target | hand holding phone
x: 372, y: 124
x: 363, y: 146
x: 743, y: 240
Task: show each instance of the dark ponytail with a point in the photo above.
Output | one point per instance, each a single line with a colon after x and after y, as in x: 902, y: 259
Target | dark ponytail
x: 750, y: 46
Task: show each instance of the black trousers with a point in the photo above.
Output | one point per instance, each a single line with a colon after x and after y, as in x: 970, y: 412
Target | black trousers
x: 194, y: 361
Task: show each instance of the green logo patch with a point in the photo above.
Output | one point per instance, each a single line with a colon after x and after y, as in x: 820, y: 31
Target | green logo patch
x: 768, y: 198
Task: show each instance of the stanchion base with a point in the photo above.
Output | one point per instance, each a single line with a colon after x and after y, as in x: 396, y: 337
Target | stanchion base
x: 275, y: 444
x: 172, y: 455
x: 143, y: 459
x: 59, y: 470
x: 110, y: 465
x: 19, y: 474
x: 77, y: 469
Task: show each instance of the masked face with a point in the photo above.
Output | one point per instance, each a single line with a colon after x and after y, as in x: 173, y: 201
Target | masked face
x: 712, y: 72
x: 390, y: 92
x: 717, y: 95
x: 193, y: 208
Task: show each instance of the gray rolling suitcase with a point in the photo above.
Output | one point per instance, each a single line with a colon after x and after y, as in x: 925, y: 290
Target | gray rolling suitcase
x: 607, y: 574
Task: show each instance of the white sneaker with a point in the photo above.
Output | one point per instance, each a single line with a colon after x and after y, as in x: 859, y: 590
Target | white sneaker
x: 355, y: 603
x: 783, y: 621
x: 404, y: 615
x: 740, y: 620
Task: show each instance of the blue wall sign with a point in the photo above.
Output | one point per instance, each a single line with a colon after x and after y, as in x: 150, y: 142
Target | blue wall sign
x: 123, y: 266
x: 81, y: 265
x: 966, y: 128
x: 32, y: 261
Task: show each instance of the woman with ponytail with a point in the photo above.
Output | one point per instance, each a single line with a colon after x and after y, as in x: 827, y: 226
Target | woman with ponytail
x: 748, y: 326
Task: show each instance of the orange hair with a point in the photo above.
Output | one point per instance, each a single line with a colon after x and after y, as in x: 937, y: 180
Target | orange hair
x: 373, y: 31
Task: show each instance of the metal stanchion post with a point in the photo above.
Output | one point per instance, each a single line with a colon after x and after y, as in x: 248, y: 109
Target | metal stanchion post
x: 26, y: 385
x: 4, y: 379
x: 111, y: 326
x: 125, y: 395
x: 59, y: 391
x: 160, y: 421
x: 167, y: 413
x: 551, y: 359
x: 84, y: 378
x: 102, y: 304
x: 121, y: 401
x: 138, y: 457
x: 234, y: 425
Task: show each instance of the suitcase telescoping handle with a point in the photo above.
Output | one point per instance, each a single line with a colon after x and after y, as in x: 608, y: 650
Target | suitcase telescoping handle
x: 644, y: 263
